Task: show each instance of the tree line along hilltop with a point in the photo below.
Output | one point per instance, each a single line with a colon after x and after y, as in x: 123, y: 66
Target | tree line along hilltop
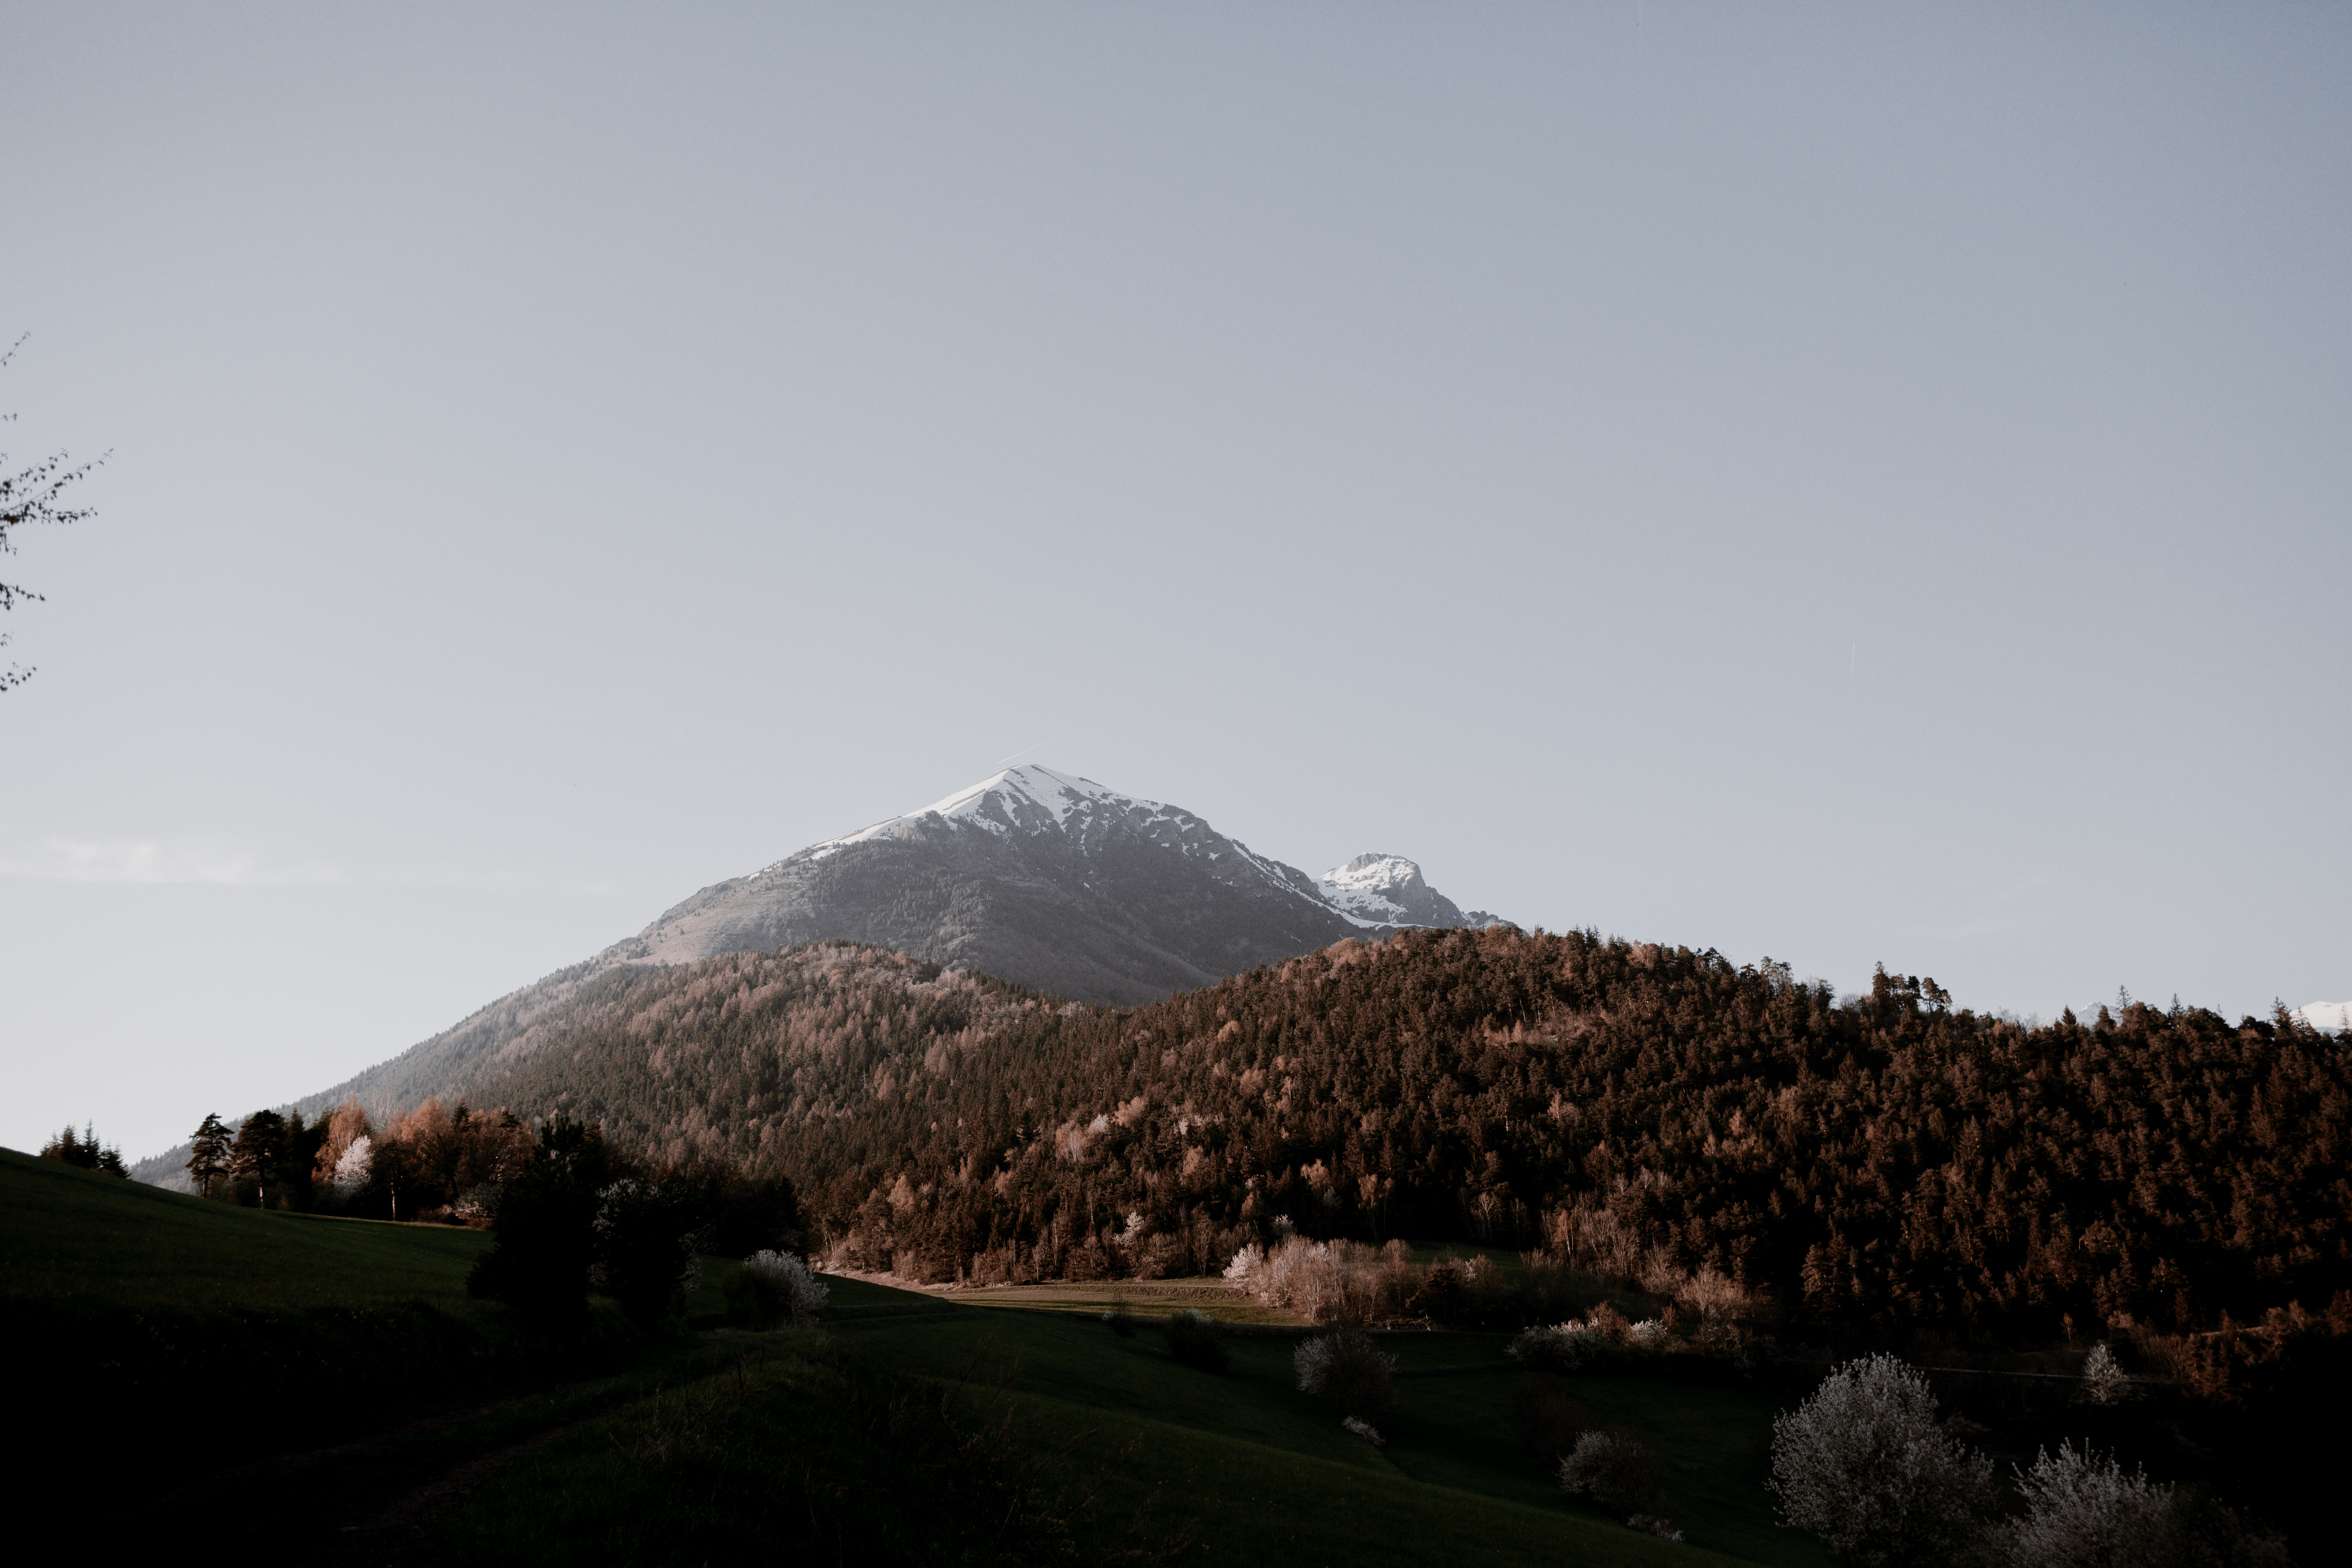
x: 1645, y: 1112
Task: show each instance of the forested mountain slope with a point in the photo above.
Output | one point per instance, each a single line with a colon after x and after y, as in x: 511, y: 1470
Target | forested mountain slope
x: 1650, y: 1110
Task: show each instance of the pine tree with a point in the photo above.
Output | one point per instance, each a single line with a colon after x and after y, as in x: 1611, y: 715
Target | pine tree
x: 208, y: 1158
x: 258, y: 1151
x: 85, y: 1151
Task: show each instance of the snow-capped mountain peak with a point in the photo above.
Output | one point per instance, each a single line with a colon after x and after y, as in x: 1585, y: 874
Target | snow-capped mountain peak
x: 1056, y: 794
x: 1054, y: 880
x: 1388, y: 889
x: 1028, y: 799
x: 1381, y: 888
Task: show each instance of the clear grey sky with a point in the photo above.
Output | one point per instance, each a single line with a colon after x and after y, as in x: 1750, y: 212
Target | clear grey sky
x: 1843, y: 483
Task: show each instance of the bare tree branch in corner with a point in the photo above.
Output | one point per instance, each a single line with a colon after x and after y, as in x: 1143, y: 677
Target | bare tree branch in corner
x: 32, y: 495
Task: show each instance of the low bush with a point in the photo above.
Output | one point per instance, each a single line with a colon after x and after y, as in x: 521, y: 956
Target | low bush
x: 1558, y: 1347
x: 1194, y: 1339
x: 1617, y: 1471
x: 2081, y: 1508
x: 1344, y: 1367
x: 774, y: 1288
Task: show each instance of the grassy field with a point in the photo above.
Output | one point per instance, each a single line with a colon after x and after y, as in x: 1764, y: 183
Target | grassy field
x: 1452, y: 1434
x: 1144, y: 1297
x: 82, y: 1239
x: 1241, y: 1464
x: 882, y: 1437
x: 1209, y: 1293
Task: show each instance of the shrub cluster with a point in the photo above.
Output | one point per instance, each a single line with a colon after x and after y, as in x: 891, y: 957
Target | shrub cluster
x: 774, y: 1287
x: 574, y: 1215
x: 1864, y: 1464
x: 1345, y: 1368
x: 1195, y: 1340
x: 1617, y: 1471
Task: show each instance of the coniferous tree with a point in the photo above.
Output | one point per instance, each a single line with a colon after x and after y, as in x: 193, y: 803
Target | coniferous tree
x: 208, y: 1153
x: 298, y: 1153
x: 258, y: 1153
x: 85, y: 1151
x: 547, y: 1227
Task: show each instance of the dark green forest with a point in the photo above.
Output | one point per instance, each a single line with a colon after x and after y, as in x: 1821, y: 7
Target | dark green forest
x: 1887, y: 1164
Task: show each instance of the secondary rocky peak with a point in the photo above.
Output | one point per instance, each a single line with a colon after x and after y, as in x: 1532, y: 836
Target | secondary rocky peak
x: 1388, y: 890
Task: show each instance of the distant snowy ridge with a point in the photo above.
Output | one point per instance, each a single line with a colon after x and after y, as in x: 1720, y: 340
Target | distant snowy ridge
x: 2333, y: 1016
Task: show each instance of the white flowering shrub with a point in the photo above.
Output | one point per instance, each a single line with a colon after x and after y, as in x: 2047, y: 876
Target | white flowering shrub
x: 1650, y: 1334
x: 2104, y: 1382
x: 1366, y: 1430
x: 355, y: 1168
x: 1558, y: 1347
x: 1326, y: 1281
x: 1653, y: 1524
x: 2083, y: 1512
x: 1312, y: 1360
x: 478, y: 1204
x: 774, y: 1286
x: 1863, y: 1465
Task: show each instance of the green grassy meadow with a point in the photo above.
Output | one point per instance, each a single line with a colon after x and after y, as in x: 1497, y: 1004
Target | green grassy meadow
x: 1248, y: 1435
x: 1240, y: 1464
x: 92, y: 1241
x: 704, y: 1442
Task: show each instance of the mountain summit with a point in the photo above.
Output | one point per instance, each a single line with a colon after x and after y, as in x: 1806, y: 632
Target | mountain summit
x: 1049, y: 879
x: 1056, y: 882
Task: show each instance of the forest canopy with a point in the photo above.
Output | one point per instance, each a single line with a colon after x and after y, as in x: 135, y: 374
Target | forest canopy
x: 1642, y: 1112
